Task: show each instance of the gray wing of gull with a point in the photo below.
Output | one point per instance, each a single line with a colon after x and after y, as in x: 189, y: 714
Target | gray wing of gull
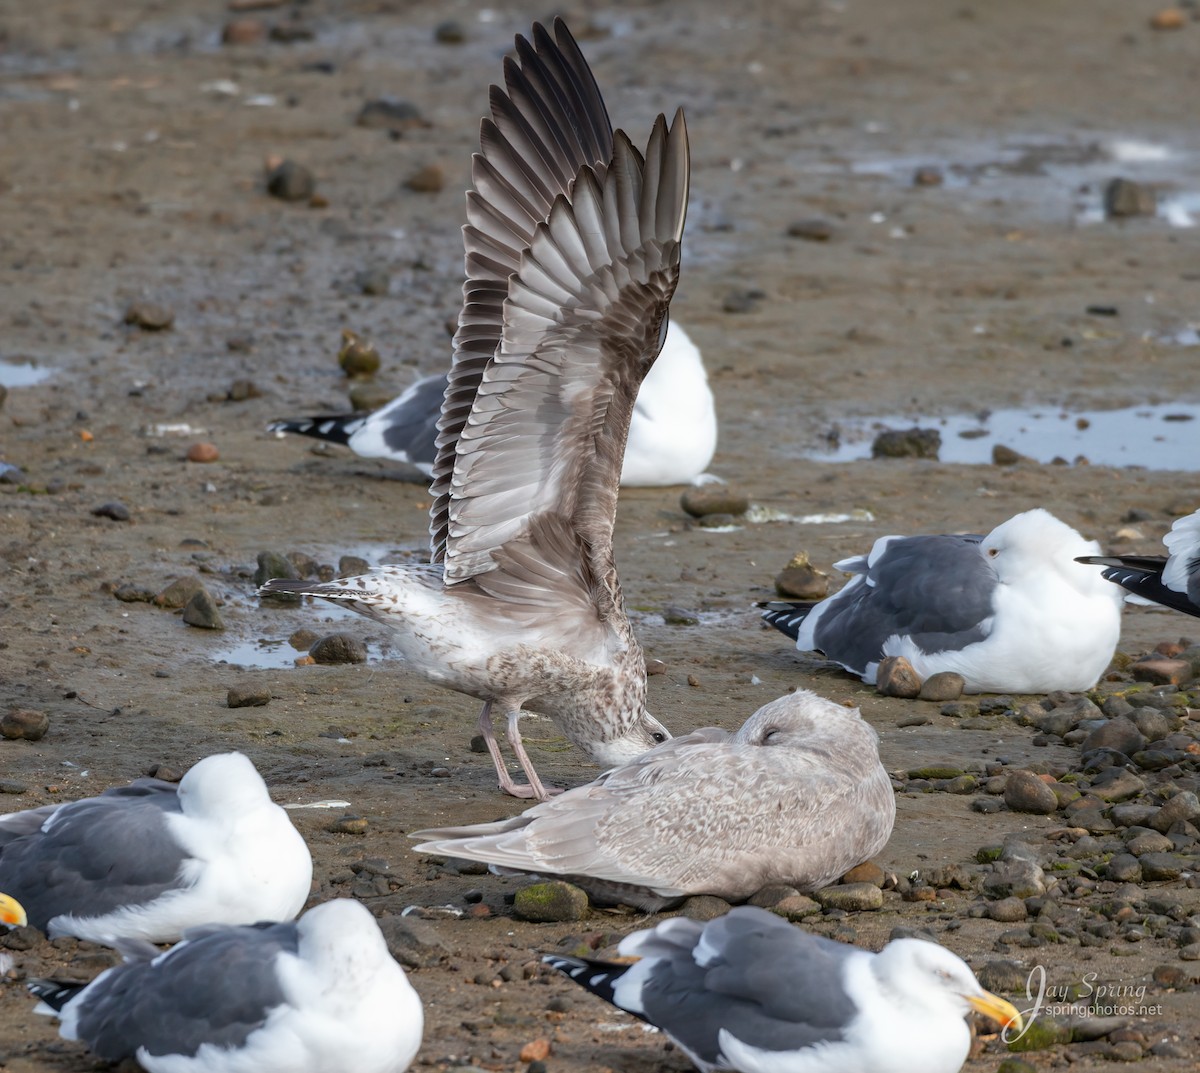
x: 583, y: 323
x: 935, y: 589
x: 92, y: 857
x: 405, y: 429
x: 546, y: 124
x: 216, y: 987
x: 751, y: 974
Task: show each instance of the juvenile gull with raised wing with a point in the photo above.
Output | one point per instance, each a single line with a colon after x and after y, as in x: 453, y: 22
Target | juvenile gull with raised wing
x: 796, y: 796
x: 572, y: 255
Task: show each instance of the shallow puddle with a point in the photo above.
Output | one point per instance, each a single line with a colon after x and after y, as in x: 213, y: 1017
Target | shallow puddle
x: 1155, y: 437
x: 22, y: 373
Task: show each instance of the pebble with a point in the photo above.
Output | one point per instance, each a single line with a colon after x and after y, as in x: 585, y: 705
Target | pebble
x: 907, y: 443
x: 1016, y: 1065
x: 149, y: 316
x: 1123, y: 868
x: 714, y: 499
x: 247, y: 697
x: 352, y: 565
x: 338, y: 648
x: 241, y: 390
x: 1169, y: 18
x: 1003, y: 455
x: 852, y: 897
x: 549, y: 902
x: 1162, y: 671
x: 373, y: 282
x: 24, y: 724
x: 369, y: 395
x: 867, y: 872
x: 11, y: 786
x: 413, y: 942
x: 928, y: 175
x: 427, y: 180
x: 812, y: 230
x: 290, y: 181
x: 1007, y: 910
x: 897, y: 678
x: 1119, y: 734
x: 450, y: 32
x: 203, y: 452
x: 1003, y: 977
x: 272, y: 564
x: 357, y: 355
x: 302, y: 639
x: 704, y: 907
x: 743, y: 301
x: 1183, y: 806
x: 201, y: 611
x: 914, y: 719
x: 679, y: 616
x: 1149, y: 842
x: 1124, y: 197
x: 797, y: 907
x: 943, y: 686
x: 1172, y: 976
x: 1117, y: 784
x: 389, y: 113
x: 243, y: 32
x: 960, y: 709
x: 348, y: 825
x: 1157, y: 867
x: 1020, y: 879
x: 535, y: 1050
x: 118, y: 512
x: 801, y: 580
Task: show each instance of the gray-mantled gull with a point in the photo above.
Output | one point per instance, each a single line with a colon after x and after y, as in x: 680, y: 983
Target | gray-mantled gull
x: 1172, y: 580
x: 796, y: 796
x: 148, y: 860
x: 672, y: 435
x: 1012, y: 612
x: 573, y: 247
x: 320, y: 995
x: 751, y: 992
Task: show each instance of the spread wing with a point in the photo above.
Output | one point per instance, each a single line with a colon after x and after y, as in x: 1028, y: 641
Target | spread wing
x: 583, y: 323
x: 548, y: 123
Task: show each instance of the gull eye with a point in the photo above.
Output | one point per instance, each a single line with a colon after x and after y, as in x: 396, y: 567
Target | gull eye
x: 659, y: 737
x: 993, y: 552
x: 770, y: 734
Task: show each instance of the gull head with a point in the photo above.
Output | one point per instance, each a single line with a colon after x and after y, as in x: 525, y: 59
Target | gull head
x: 645, y: 733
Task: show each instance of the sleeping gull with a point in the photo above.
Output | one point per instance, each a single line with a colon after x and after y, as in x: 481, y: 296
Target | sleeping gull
x: 150, y: 859
x: 320, y: 995
x: 572, y: 258
x: 672, y: 435
x: 751, y: 992
x: 796, y: 796
x: 1012, y: 612
x: 1172, y: 580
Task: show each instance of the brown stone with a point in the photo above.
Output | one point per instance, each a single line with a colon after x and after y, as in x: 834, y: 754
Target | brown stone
x: 243, y: 32
x: 203, y: 452
x: 943, y: 686
x: 714, y: 499
x: 801, y: 580
x: 535, y: 1051
x: 867, y: 872
x: 1169, y: 18
x: 896, y: 678
x: 1025, y: 792
x: 24, y: 723
x: 427, y: 180
x: 1162, y: 672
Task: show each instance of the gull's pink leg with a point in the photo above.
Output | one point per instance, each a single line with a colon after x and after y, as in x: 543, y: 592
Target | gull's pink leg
x: 535, y: 786
x: 507, y: 784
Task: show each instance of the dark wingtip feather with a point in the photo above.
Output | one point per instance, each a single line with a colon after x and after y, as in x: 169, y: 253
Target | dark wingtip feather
x: 54, y: 993
x: 785, y: 616
x: 598, y: 977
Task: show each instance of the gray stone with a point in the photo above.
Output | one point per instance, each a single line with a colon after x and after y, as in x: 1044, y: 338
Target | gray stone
x: 907, y: 443
x: 1124, y: 197
x: 201, y: 611
x: 1149, y: 842
x: 1123, y: 868
x: 248, y: 696
x: 1116, y: 784
x: 1025, y: 792
x: 801, y: 580
x: 851, y: 897
x: 118, y: 512
x: 338, y: 648
x: 1020, y: 879
x: 179, y: 593
x: 1007, y: 910
x: 679, y: 616
x: 388, y: 113
x: 413, y: 942
x: 704, y: 907
x: 1154, y: 723
x: 352, y: 566
x: 1183, y: 806
x: 897, y: 678
x: 1132, y: 814
x: 771, y: 895
x: 1160, y: 866
x: 1003, y: 977
x: 960, y: 709
x: 290, y: 181
x: 149, y: 316
x: 1119, y: 734
x: 943, y: 686
x: 813, y: 230
x: 550, y: 902
x: 272, y: 564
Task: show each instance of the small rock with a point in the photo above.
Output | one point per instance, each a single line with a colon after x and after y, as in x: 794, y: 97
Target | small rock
x: 272, y: 564
x: 201, y: 611
x: 943, y: 686
x: 374, y: 282
x: 149, y: 316
x: 243, y: 32
x: 814, y: 230
x: 1003, y: 455
x: 452, y: 32
x: 1183, y: 806
x: 1162, y: 672
x: 247, y: 697
x: 907, y: 443
x: 801, y: 580
x: 714, y: 499
x: 357, y: 356
x: 413, y: 942
x: 338, y: 648
x: 1172, y: 976
x: 867, y: 872
x: 1169, y: 18
x: 388, y: 113
x: 850, y: 897
x: 427, y: 180
x: 704, y: 907
x: 134, y: 594
x: 24, y: 724
x: 770, y: 895
x: 241, y: 390
x: 1025, y: 792
x: 960, y: 709
x: 1123, y: 868
x: 1007, y: 910
x: 1124, y: 197
x: 1019, y: 879
x: 203, y: 452
x: 1116, y: 784
x: 1003, y: 976
x: 348, y: 825
x: 369, y: 395
x: 1157, y: 867
x: 897, y: 678
x: 1119, y: 734
x: 302, y: 639
x: 550, y: 902
x: 352, y: 566
x: 535, y: 1051
x: 743, y: 300
x: 118, y: 512
x: 797, y: 907
x: 1016, y: 1065
x: 678, y: 616
x: 1149, y: 842
x: 928, y: 175
x: 290, y: 181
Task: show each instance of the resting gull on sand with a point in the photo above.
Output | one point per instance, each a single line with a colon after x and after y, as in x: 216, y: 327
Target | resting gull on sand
x: 796, y: 796
x: 1172, y: 580
x: 573, y: 247
x: 148, y: 860
x: 751, y: 992
x: 1012, y: 612
x: 321, y: 995
x: 672, y: 435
